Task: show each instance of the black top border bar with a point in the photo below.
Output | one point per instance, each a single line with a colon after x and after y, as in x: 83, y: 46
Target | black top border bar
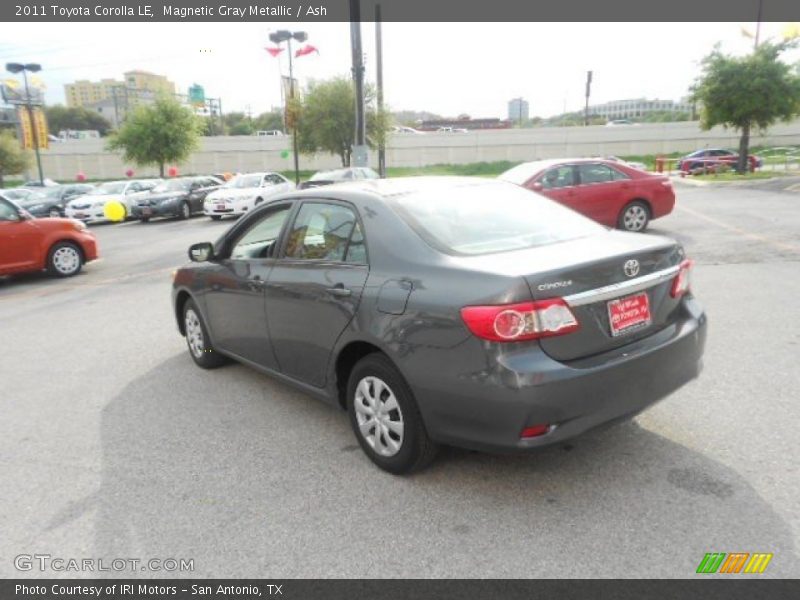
x: 320, y: 11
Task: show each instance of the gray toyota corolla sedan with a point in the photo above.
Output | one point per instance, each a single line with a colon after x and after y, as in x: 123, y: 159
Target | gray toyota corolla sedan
x: 446, y: 311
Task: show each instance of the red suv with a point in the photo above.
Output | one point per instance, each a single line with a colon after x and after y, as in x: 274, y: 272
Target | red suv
x: 610, y: 192
x: 61, y: 246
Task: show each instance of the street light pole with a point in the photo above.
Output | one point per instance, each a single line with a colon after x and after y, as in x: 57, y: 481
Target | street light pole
x: 33, y: 68
x: 294, y: 118
x: 34, y: 132
x: 278, y: 37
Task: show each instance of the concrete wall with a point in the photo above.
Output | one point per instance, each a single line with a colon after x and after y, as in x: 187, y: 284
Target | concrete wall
x: 251, y: 153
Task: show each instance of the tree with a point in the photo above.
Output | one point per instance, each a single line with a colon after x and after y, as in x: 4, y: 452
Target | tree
x: 165, y: 131
x: 326, y: 119
x: 60, y: 118
x: 743, y: 92
x: 13, y: 159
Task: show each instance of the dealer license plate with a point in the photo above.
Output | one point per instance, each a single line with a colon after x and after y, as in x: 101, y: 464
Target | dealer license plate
x: 629, y: 314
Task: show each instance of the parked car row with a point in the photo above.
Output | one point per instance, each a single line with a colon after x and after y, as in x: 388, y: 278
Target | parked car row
x: 609, y: 191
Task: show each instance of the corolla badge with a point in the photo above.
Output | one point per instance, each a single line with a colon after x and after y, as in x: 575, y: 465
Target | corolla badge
x: 631, y: 267
x: 555, y: 284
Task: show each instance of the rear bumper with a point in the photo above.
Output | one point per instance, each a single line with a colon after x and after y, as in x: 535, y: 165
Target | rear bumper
x: 487, y: 410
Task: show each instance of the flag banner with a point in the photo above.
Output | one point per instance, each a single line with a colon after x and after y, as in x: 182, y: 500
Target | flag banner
x: 273, y: 51
x: 307, y: 49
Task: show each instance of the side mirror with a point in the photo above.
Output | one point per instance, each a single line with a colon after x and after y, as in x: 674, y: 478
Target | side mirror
x: 201, y: 252
x: 537, y: 186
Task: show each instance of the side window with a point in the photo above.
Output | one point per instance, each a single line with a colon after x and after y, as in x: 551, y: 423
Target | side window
x: 259, y: 240
x: 558, y: 177
x: 356, y: 250
x: 320, y: 232
x: 596, y: 173
x: 8, y: 212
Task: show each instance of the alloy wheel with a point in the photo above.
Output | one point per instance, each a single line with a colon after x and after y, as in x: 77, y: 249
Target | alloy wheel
x: 187, y: 212
x: 380, y: 420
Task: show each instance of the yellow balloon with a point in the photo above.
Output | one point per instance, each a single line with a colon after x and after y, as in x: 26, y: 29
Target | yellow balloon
x: 114, y: 211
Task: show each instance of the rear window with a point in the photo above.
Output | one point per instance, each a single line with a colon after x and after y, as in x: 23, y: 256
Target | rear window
x: 489, y: 218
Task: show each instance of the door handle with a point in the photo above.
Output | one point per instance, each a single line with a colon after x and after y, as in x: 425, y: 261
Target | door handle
x: 339, y: 291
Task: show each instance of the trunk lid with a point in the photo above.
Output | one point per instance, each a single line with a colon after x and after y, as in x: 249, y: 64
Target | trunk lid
x: 590, y: 273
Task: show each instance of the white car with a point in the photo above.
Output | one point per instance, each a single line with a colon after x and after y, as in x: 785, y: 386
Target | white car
x: 90, y: 208
x: 243, y: 193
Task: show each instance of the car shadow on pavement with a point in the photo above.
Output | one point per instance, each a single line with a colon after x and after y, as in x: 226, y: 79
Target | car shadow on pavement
x: 248, y: 477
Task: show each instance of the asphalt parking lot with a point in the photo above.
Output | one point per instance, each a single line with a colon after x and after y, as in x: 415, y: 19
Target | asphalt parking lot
x: 114, y: 444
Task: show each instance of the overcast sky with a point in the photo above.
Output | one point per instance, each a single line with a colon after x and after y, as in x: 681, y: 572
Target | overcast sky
x: 449, y: 68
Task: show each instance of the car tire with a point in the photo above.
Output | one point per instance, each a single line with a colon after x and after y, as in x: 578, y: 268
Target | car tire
x: 64, y: 259
x: 215, y: 217
x: 144, y: 220
x: 197, y: 340
x: 186, y: 211
x: 396, y: 441
x: 634, y: 217
x: 54, y: 213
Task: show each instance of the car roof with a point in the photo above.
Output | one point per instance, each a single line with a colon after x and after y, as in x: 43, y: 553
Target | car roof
x: 523, y: 172
x: 396, y: 187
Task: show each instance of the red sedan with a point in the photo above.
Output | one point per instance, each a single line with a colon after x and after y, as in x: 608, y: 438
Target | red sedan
x: 610, y: 192
x: 61, y: 246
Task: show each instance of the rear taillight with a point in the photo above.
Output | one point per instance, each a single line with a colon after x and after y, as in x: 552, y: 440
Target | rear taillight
x: 682, y: 281
x: 518, y: 322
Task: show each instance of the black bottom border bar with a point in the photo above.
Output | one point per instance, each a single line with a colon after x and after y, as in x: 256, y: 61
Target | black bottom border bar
x: 731, y: 588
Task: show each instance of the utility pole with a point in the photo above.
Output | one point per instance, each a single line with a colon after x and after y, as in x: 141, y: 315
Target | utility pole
x: 588, y: 93
x: 379, y: 60
x: 359, y: 156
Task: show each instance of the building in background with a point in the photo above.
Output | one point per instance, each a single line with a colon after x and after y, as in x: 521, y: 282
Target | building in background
x: 144, y: 80
x: 135, y: 84
x: 518, y: 110
x: 638, y: 108
x: 84, y: 92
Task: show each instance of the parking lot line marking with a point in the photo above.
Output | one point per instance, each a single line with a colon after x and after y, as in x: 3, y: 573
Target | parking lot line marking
x: 52, y: 290
x: 740, y: 231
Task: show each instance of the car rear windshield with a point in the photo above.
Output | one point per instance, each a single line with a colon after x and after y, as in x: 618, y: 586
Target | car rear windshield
x: 245, y: 181
x: 111, y: 187
x: 489, y: 218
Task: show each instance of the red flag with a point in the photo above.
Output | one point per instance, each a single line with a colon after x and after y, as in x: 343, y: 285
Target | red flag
x: 307, y: 49
x: 274, y: 51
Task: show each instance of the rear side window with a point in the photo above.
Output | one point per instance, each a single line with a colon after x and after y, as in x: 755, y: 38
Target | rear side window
x: 490, y: 217
x: 322, y: 231
x: 597, y: 173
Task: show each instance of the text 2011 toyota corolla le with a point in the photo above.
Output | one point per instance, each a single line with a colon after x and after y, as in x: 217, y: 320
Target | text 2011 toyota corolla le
x: 446, y: 311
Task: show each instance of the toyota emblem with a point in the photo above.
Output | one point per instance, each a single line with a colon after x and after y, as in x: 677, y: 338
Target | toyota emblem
x: 631, y: 267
